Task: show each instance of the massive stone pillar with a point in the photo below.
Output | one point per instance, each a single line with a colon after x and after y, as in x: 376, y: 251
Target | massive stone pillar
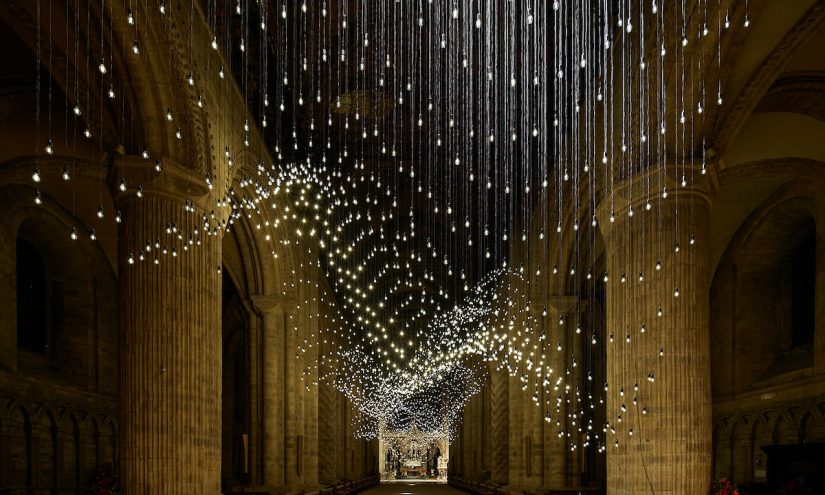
x: 274, y: 331
x: 559, y: 468
x: 309, y: 386
x: 293, y: 406
x: 170, y: 340
x: 664, y: 442
x: 500, y: 426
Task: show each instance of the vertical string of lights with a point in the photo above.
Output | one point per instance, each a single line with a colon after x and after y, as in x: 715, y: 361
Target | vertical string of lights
x: 458, y: 135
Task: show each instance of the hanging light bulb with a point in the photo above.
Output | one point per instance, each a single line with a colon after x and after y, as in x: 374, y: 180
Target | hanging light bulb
x: 162, y: 7
x: 73, y: 235
x: 102, y: 66
x: 66, y: 175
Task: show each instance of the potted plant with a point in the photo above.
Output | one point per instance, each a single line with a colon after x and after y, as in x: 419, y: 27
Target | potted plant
x: 104, y: 481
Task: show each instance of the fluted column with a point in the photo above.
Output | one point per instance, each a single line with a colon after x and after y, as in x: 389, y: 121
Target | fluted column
x: 293, y: 404
x: 664, y: 442
x: 271, y: 310
x: 500, y: 426
x: 559, y: 470
x: 309, y: 383
x: 170, y: 340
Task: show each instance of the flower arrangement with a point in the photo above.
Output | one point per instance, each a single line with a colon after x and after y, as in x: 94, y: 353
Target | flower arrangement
x: 104, y: 481
x: 724, y: 487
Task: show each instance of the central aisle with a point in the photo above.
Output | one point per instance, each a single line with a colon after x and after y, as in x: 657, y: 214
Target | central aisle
x: 413, y: 488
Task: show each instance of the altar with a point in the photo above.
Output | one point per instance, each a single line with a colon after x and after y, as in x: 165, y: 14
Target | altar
x: 413, y: 453
x: 413, y: 468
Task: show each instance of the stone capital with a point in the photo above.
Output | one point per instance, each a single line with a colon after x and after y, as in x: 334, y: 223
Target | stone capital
x: 173, y: 181
x: 565, y: 305
x: 660, y: 183
x: 268, y: 304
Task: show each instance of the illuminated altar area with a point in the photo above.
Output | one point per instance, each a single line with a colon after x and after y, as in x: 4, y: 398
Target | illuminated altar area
x: 413, y: 454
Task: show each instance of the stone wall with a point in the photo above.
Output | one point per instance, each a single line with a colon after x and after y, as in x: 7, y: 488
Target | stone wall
x: 767, y: 388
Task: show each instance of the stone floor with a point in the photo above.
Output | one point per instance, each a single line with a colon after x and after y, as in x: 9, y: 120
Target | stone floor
x: 413, y: 488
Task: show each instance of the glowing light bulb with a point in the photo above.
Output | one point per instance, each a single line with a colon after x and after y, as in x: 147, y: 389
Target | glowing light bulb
x: 102, y: 66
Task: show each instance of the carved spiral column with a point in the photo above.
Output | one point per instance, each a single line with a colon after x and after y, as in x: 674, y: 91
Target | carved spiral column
x: 170, y: 341
x: 664, y: 442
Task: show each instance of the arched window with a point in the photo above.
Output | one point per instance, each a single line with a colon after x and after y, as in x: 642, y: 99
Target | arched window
x: 803, y: 289
x: 32, y: 299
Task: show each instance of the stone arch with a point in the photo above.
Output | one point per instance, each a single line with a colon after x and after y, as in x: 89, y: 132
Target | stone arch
x: 77, y: 79
x: 811, y: 425
x: 761, y: 258
x: 79, y: 277
x: 760, y: 77
x: 19, y: 444
x: 785, y: 428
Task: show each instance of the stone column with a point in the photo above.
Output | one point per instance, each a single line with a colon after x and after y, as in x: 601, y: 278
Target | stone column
x: 819, y: 301
x: 668, y: 449
x: 7, y: 434
x: 559, y: 470
x: 293, y: 403
x: 274, y: 327
x: 309, y: 383
x: 500, y: 426
x: 170, y: 334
